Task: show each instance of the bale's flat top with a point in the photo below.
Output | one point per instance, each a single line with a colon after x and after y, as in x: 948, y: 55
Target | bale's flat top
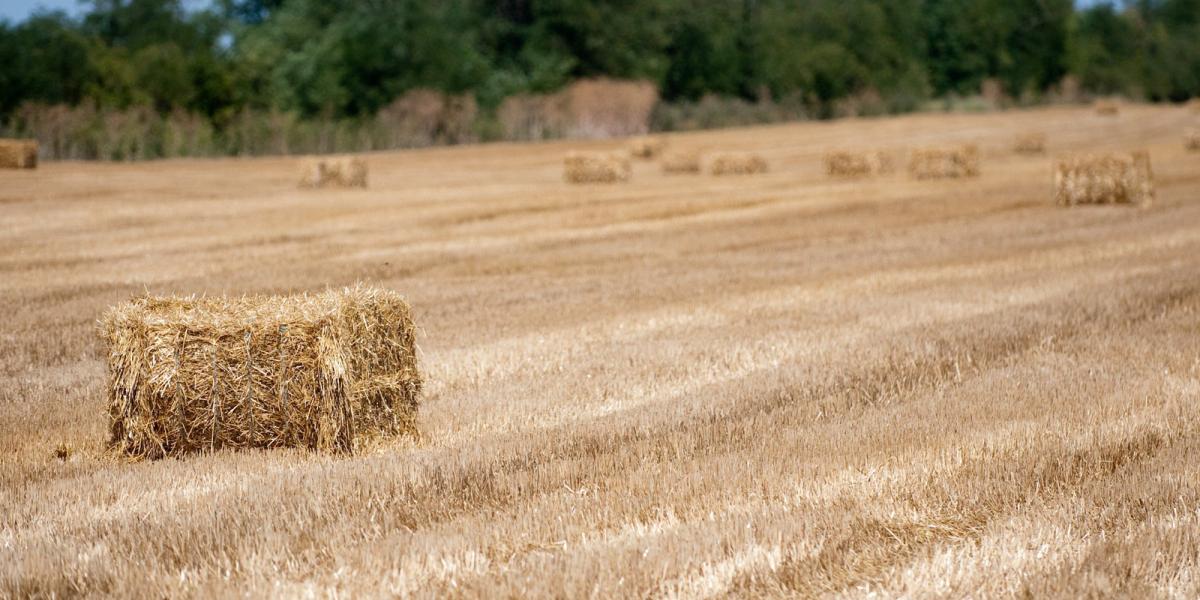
x: 201, y: 311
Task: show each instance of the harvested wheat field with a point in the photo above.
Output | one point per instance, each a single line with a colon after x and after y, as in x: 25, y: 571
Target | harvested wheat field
x: 782, y: 385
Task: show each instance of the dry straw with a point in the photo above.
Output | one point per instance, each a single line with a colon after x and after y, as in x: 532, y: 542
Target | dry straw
x: 1104, y: 179
x: 1191, y: 140
x: 334, y: 171
x: 18, y: 154
x: 321, y: 371
x: 595, y: 167
x: 846, y: 163
x: 646, y: 147
x: 1194, y: 105
x: 1108, y: 108
x: 1030, y: 143
x: 737, y: 163
x: 941, y: 163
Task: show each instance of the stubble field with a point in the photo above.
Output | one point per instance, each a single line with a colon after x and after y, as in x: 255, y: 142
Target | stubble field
x: 682, y: 386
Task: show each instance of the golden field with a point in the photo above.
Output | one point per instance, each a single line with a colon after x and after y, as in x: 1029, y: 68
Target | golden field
x: 682, y: 386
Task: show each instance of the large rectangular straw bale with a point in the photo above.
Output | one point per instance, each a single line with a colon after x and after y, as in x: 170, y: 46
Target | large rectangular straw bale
x: 940, y: 163
x: 334, y: 171
x: 847, y: 163
x: 737, y: 163
x: 1191, y: 140
x: 1194, y: 105
x: 1107, y: 108
x: 321, y: 371
x: 681, y: 161
x: 646, y: 146
x: 1104, y: 179
x: 18, y: 154
x: 596, y: 167
x: 1030, y: 143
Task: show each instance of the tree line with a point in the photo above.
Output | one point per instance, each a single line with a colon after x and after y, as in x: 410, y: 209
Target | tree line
x: 311, y: 62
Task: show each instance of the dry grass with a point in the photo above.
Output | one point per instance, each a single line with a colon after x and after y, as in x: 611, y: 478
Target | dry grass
x: 1191, y: 140
x: 317, y: 371
x: 846, y: 163
x: 1030, y: 143
x: 18, y: 154
x: 334, y: 171
x: 596, y: 167
x: 691, y: 387
x: 949, y: 162
x: 737, y: 163
x: 1104, y: 179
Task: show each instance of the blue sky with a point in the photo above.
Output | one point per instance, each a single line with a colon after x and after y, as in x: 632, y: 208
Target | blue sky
x: 18, y: 10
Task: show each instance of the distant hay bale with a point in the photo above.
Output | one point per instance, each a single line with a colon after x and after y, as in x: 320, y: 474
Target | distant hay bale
x: 1191, y: 140
x: 1104, y: 179
x: 18, y: 154
x: 334, y: 171
x: 683, y: 161
x: 846, y: 163
x: 646, y: 147
x: 1108, y: 108
x: 595, y: 167
x: 319, y: 371
x: 941, y: 163
x: 1030, y: 143
x: 737, y: 163
x: 1194, y: 105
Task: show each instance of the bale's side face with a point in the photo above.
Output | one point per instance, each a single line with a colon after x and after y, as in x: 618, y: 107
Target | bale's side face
x: 1108, y: 108
x: 737, y: 164
x: 1191, y: 140
x: 595, y: 167
x: 943, y: 163
x: 646, y: 147
x: 338, y: 171
x: 319, y: 372
x: 1030, y: 143
x: 845, y: 163
x: 1104, y: 179
x: 18, y: 154
x: 681, y: 162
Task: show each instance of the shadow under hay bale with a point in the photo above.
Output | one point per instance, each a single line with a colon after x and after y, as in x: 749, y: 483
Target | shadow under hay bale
x: 595, y: 167
x: 847, y: 163
x: 320, y: 371
x: 1104, y: 179
x: 682, y: 161
x: 944, y: 163
x: 646, y: 147
x: 1191, y: 140
x: 336, y: 171
x: 1107, y: 108
x: 18, y: 154
x: 1030, y: 143
x: 737, y: 163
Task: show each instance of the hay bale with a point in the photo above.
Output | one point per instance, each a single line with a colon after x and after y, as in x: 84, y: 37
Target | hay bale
x: 1191, y: 140
x: 334, y: 171
x: 1104, y: 179
x: 646, y: 147
x: 1194, y: 105
x: 1030, y: 143
x: 687, y: 161
x: 846, y: 163
x: 319, y: 371
x: 737, y: 163
x: 1107, y: 108
x: 941, y: 163
x: 18, y: 154
x: 595, y: 167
